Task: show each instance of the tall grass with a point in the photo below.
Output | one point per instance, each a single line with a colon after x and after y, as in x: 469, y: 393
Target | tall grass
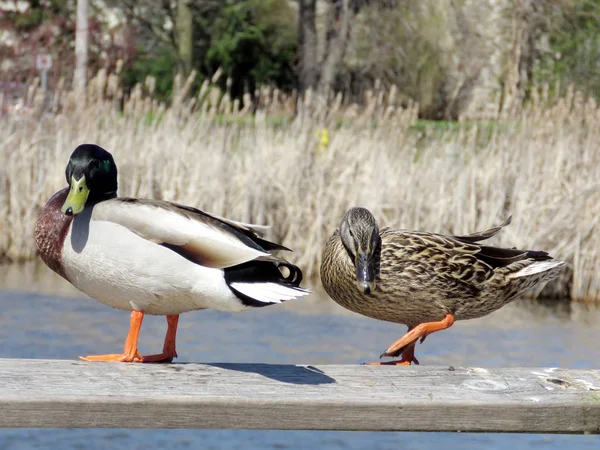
x: 543, y: 167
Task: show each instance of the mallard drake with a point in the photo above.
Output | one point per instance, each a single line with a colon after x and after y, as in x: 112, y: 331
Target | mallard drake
x: 424, y: 280
x: 154, y: 257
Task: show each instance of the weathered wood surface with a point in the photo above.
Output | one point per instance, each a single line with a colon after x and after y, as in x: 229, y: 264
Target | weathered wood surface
x: 50, y: 393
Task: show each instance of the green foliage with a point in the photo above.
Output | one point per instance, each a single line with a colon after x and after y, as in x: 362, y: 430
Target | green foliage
x: 159, y: 63
x: 253, y: 42
x: 253, y: 45
x: 574, y: 49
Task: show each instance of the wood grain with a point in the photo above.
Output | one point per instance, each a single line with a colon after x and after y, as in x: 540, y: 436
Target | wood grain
x: 52, y: 393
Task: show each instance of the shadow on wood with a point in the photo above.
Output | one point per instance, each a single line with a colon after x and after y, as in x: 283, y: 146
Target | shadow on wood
x: 284, y: 373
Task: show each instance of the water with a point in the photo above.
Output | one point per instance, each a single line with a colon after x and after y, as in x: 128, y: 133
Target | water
x: 57, y: 322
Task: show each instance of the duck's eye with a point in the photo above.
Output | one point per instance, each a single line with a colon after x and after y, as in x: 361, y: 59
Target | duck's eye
x: 103, y: 166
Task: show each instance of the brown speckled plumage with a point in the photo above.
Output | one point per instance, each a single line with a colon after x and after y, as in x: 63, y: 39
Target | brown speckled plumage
x: 421, y: 277
x: 51, y: 229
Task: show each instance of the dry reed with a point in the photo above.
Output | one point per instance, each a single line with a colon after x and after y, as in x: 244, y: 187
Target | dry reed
x: 543, y: 167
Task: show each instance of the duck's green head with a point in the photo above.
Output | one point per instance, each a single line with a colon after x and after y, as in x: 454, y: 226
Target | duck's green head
x: 360, y: 236
x: 92, y: 177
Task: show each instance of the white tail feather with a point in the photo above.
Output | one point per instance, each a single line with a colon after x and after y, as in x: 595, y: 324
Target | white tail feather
x: 269, y: 292
x: 538, y: 267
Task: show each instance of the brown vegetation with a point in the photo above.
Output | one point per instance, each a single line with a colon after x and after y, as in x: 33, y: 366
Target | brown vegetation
x: 273, y: 168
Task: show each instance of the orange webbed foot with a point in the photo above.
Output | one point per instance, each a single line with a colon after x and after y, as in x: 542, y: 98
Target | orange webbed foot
x: 400, y: 362
x: 115, y: 357
x: 137, y: 358
x: 130, y: 352
x: 408, y: 358
x: 159, y: 358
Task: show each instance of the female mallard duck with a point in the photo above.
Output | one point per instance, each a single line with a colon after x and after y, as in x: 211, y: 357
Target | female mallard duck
x: 154, y: 257
x: 424, y: 280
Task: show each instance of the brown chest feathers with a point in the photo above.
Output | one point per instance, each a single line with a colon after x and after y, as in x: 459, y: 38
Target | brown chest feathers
x: 51, y: 229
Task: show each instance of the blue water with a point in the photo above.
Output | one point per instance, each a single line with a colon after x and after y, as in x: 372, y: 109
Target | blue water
x: 313, y: 332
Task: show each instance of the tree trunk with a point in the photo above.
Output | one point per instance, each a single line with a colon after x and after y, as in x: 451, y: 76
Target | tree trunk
x: 185, y: 36
x: 307, y: 45
x: 338, y: 31
x: 81, y: 49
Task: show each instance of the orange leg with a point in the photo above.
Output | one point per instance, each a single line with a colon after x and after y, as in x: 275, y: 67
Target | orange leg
x: 421, y: 331
x: 169, y: 351
x: 130, y: 351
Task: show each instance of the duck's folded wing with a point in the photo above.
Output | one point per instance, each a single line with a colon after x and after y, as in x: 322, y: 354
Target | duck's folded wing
x: 202, y: 238
x: 258, y: 230
x: 241, y: 229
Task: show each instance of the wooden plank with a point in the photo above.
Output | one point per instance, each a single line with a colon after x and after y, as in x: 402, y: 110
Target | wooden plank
x: 50, y: 393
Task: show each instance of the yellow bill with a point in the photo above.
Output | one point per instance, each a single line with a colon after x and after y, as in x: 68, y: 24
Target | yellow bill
x: 78, y: 195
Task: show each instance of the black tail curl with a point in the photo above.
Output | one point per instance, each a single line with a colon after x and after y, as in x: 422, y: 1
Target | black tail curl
x: 257, y: 271
x: 295, y: 274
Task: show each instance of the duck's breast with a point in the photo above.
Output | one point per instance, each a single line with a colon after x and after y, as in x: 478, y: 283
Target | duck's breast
x: 51, y: 229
